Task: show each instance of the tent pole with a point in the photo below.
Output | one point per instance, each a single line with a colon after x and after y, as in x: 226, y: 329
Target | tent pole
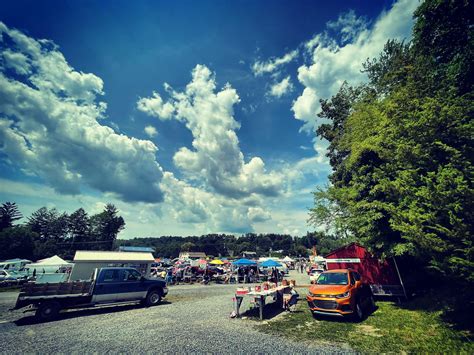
x: 400, y: 277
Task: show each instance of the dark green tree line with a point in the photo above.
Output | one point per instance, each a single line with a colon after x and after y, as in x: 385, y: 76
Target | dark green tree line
x: 230, y: 245
x: 47, y: 232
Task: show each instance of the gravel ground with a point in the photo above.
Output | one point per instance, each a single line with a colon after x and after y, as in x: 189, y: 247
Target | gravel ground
x: 194, y: 319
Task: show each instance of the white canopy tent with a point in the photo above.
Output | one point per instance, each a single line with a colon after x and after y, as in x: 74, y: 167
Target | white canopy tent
x: 51, y: 269
x: 52, y: 261
x: 288, y: 259
x: 48, y: 264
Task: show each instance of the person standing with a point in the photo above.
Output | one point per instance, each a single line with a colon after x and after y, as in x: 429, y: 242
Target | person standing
x: 275, y: 275
x: 251, y: 275
x: 169, y: 276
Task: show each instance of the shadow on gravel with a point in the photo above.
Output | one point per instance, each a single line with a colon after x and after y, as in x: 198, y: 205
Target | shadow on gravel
x: 29, y: 320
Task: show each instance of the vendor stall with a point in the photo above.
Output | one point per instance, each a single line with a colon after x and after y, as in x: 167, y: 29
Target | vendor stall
x: 259, y: 294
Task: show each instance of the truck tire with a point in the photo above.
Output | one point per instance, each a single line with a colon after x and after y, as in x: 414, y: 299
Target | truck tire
x: 47, y: 311
x: 153, y: 298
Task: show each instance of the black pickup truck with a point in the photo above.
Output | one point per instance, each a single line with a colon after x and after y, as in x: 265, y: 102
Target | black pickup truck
x: 107, y: 286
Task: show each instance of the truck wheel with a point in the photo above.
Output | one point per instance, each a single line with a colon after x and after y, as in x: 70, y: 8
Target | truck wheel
x: 153, y: 298
x: 48, y: 311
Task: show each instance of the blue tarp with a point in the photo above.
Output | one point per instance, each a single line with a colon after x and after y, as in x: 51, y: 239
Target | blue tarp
x: 270, y: 263
x: 244, y: 262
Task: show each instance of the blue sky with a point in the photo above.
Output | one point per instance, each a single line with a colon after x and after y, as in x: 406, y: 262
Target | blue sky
x: 192, y: 117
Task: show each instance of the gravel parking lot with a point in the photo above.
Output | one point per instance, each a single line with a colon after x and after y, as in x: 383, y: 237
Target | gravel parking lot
x: 194, y: 318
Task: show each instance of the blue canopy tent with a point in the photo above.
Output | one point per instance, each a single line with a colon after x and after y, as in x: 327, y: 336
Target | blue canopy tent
x: 244, y: 262
x: 270, y: 263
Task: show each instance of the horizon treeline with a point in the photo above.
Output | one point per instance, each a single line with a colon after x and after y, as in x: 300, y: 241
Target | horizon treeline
x: 48, y: 232
x: 230, y: 245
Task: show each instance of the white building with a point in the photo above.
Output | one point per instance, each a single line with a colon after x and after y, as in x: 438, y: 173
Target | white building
x: 85, y: 261
x: 192, y: 255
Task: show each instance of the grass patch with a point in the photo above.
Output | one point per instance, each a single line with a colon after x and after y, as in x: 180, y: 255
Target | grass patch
x: 389, y: 329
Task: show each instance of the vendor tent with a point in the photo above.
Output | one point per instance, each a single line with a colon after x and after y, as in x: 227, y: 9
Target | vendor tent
x: 244, y: 262
x: 54, y: 262
x: 270, y: 263
x: 217, y: 262
x: 48, y: 265
x: 287, y: 259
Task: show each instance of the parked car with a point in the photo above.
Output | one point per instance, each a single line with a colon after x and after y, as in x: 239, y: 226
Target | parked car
x: 6, y: 276
x: 314, y: 274
x: 108, y: 286
x: 340, y: 292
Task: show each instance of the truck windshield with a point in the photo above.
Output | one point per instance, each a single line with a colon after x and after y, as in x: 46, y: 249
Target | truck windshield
x: 332, y: 278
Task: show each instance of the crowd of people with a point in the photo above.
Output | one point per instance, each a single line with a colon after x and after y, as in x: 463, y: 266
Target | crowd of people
x: 302, y: 266
x: 185, y: 273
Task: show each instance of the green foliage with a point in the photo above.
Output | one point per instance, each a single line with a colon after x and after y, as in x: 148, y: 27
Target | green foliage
x: 443, y: 40
x: 9, y: 213
x: 414, y: 327
x: 17, y: 242
x: 401, y: 147
x: 48, y: 232
x: 105, y: 227
x: 230, y: 245
x: 188, y: 246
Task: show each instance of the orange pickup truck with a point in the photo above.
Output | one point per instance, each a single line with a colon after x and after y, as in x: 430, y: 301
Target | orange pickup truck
x: 340, y: 293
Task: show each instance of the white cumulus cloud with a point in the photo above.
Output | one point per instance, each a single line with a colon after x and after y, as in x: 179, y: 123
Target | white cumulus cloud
x: 272, y: 64
x: 49, y: 125
x: 333, y: 62
x: 211, y: 212
x: 348, y: 25
x: 257, y: 214
x: 150, y: 131
x: 215, y: 158
x: 281, y: 88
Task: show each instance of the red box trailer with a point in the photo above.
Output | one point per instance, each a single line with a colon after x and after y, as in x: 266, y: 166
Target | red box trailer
x: 383, y: 276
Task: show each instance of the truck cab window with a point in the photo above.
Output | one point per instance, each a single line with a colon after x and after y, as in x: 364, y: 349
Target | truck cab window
x: 111, y: 276
x: 356, y: 276
x: 131, y: 275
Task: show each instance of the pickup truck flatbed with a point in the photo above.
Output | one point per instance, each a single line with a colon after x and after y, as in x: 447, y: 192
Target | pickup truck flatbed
x: 108, y: 286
